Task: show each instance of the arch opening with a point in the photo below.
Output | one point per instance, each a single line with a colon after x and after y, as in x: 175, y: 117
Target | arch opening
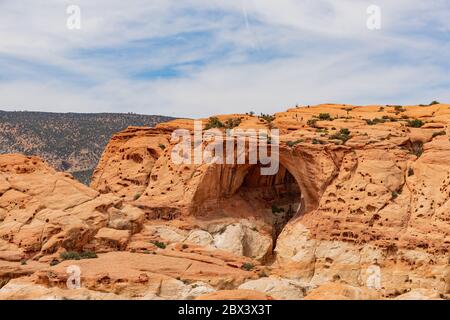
x: 240, y: 191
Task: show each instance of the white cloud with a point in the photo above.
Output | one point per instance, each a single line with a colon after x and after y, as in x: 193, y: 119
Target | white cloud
x: 289, y: 52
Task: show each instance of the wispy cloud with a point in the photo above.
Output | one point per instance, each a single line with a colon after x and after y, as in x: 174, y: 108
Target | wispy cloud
x: 198, y: 57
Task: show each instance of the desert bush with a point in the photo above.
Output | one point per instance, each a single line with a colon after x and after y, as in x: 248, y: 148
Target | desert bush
x: 312, y: 122
x: 325, y: 117
x: 343, y: 135
x: 159, y: 244
x: 73, y: 255
x: 214, y: 122
x: 267, y: 117
x: 247, y: 266
x: 276, y: 209
x: 293, y: 143
x: 232, y: 123
x: 416, y: 123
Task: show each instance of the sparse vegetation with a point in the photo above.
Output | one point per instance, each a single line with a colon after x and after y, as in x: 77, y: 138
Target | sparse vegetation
x: 267, y: 117
x: 214, y: 122
x: 318, y: 141
x: 417, y: 149
x: 343, y: 135
x: 375, y: 121
x: 348, y: 112
x: 232, y: 123
x: 416, y: 123
x: 312, y: 123
x: 73, y: 255
x: 399, y: 109
x: 432, y: 103
x: 325, y: 117
x: 70, y: 142
x: 293, y: 143
x: 136, y: 196
x: 54, y: 262
x: 159, y: 244
x: 276, y: 209
x: 410, y: 172
x: 162, y: 146
x: 247, y: 266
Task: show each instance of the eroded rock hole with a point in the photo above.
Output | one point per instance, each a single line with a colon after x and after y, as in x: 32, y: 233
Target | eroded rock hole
x: 242, y: 192
x: 278, y: 195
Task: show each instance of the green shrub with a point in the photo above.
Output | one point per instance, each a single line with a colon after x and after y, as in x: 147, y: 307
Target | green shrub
x: 325, y: 117
x: 70, y: 255
x: 161, y: 146
x: 232, y: 123
x: 267, y: 117
x: 73, y: 255
x: 276, y: 209
x: 312, y: 123
x: 416, y: 123
x: 88, y: 255
x: 54, y: 262
x: 293, y: 143
x: 399, y: 109
x: 214, y: 122
x: 247, y: 266
x: 343, y: 135
x: 374, y: 121
x: 345, y: 131
x: 432, y: 103
x: 136, y: 196
x: 159, y: 244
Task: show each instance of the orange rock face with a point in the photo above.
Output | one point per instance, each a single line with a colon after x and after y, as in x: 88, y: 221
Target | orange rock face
x: 357, y: 210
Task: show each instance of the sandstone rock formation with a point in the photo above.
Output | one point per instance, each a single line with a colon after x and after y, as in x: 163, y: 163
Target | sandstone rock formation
x: 357, y: 210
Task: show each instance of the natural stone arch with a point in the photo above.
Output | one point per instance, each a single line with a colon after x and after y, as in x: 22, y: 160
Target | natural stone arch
x: 304, y: 168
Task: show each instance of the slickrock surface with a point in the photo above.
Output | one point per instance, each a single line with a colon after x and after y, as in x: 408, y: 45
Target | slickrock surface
x: 359, y: 189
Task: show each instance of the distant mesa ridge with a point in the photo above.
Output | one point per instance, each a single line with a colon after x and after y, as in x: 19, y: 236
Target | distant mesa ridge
x: 71, y: 142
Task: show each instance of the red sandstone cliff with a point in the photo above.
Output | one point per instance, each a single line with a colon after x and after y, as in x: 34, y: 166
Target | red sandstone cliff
x: 357, y: 187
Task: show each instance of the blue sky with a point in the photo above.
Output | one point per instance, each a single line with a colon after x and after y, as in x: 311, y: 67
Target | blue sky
x: 199, y: 57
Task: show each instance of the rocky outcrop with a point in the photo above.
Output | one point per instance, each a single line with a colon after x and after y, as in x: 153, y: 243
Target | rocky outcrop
x: 357, y: 210
x: 125, y: 166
